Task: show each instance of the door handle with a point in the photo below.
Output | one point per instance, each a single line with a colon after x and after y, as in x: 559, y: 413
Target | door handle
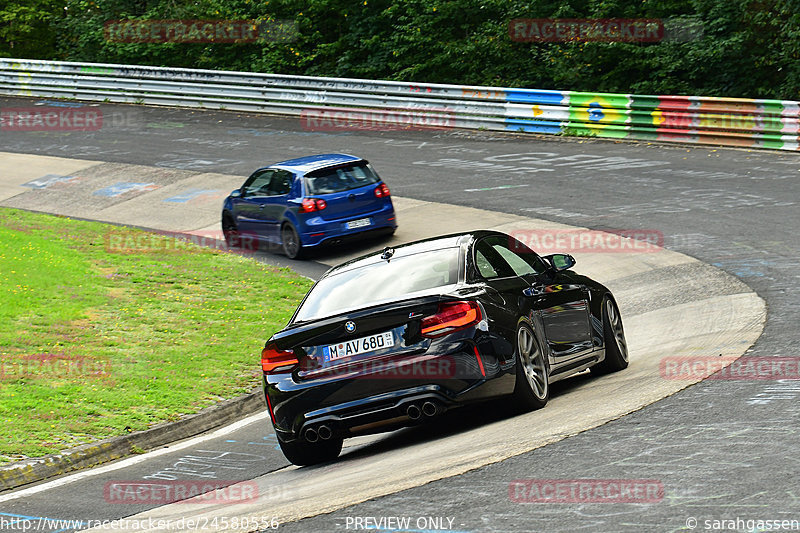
x: 262, y: 206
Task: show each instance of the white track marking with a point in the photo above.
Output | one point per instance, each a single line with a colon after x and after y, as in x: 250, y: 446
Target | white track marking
x: 134, y: 460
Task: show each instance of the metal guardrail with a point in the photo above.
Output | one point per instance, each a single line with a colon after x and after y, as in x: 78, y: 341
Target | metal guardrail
x: 342, y: 103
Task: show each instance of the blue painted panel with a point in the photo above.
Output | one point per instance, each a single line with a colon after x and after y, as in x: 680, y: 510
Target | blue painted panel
x: 48, y: 180
x: 189, y: 194
x: 536, y: 96
x: 124, y: 187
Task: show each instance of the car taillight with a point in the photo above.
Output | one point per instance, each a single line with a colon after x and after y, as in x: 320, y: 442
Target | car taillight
x: 274, y: 359
x: 451, y: 316
x: 382, y: 191
x: 309, y: 205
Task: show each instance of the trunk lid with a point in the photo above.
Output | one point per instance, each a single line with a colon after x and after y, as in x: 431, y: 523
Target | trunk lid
x: 328, y: 346
x: 348, y: 204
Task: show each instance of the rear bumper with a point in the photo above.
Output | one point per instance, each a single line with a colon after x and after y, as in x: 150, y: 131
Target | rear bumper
x: 357, y: 235
x: 317, y: 231
x: 370, y: 403
x: 376, y: 414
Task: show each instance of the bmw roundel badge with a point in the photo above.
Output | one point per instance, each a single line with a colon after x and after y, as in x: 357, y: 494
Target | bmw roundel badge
x: 350, y: 326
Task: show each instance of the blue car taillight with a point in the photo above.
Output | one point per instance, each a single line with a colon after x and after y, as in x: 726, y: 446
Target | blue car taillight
x: 382, y: 191
x: 309, y: 205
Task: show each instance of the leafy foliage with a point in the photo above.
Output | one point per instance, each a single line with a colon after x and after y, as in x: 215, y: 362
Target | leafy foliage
x: 27, y: 28
x: 747, y: 48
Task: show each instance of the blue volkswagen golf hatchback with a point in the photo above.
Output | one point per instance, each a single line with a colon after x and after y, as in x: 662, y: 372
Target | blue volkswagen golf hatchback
x: 307, y: 202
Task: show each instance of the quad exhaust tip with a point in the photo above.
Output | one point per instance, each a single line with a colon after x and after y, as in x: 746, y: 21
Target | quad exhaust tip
x: 311, y: 435
x: 316, y: 433
x: 429, y: 409
x: 324, y: 432
x: 414, y: 411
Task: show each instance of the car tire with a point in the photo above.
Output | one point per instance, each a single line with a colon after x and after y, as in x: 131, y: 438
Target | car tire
x: 303, y: 453
x: 532, y: 388
x: 290, y: 242
x: 230, y: 231
x: 614, y: 340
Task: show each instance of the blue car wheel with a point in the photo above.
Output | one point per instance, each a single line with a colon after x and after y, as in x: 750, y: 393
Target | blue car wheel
x: 290, y: 241
x: 230, y: 231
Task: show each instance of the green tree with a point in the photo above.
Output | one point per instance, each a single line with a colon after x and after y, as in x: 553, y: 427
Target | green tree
x: 27, y: 28
x: 747, y: 48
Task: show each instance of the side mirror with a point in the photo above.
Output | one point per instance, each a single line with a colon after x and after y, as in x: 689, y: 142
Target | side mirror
x: 236, y: 194
x: 560, y: 262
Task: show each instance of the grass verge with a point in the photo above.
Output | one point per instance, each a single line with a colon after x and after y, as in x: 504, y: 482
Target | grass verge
x: 95, y: 343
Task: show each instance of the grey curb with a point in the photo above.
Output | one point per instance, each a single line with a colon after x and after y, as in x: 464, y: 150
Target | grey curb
x: 89, y: 455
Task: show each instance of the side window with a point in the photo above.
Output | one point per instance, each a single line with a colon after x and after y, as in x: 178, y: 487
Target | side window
x: 258, y: 184
x: 495, y: 257
x: 490, y: 264
x: 281, y: 183
x: 526, y: 254
x: 484, y: 266
x: 517, y: 264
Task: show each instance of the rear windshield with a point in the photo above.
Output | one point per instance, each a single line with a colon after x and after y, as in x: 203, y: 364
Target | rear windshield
x: 381, y: 282
x: 344, y: 178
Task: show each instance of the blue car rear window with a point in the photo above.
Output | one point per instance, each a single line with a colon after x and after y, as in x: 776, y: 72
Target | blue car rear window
x: 380, y: 282
x: 339, y: 179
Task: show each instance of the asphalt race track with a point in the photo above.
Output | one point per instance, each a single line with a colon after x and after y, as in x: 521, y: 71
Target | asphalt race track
x: 720, y: 449
x: 724, y: 318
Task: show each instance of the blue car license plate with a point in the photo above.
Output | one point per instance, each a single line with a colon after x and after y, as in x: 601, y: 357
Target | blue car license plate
x: 360, y: 223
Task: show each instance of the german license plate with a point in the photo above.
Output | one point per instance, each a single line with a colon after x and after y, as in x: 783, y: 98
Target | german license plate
x: 358, y: 346
x: 360, y: 223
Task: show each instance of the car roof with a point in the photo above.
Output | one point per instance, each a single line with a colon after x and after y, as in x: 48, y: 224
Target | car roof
x: 309, y: 163
x: 453, y: 240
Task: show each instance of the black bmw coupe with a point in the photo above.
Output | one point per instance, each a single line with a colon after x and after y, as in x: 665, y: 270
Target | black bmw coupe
x: 397, y: 337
